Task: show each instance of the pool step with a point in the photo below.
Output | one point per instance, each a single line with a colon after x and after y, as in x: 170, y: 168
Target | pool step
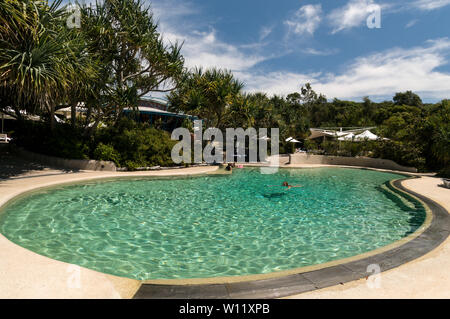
x: 398, y: 198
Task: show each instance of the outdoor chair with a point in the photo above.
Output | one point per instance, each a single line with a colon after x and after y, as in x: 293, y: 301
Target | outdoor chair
x: 4, y: 137
x: 446, y: 182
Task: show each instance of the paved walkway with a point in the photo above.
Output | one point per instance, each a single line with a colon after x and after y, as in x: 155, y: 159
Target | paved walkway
x: 25, y: 274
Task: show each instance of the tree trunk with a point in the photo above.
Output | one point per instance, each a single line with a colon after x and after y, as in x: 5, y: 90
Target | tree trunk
x: 52, y: 117
x: 90, y: 132
x: 73, y: 113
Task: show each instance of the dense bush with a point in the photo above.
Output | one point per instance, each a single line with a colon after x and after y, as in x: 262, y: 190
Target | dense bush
x: 310, y: 145
x: 127, y: 144
x: 445, y: 172
x: 106, y: 153
x: 63, y: 141
x: 407, y: 154
x: 133, y: 145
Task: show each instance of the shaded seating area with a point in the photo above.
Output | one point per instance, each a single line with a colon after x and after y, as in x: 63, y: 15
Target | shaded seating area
x: 354, y: 134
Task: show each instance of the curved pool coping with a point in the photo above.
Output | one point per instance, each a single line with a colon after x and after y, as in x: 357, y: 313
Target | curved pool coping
x: 298, y: 270
x: 434, y: 231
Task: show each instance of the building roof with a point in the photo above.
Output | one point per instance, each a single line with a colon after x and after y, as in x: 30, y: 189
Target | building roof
x: 156, y: 111
x: 335, y: 132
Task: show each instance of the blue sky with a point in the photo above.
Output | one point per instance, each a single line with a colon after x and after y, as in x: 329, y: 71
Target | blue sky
x: 277, y: 46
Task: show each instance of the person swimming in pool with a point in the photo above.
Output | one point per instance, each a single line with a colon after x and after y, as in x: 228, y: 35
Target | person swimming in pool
x: 286, y: 184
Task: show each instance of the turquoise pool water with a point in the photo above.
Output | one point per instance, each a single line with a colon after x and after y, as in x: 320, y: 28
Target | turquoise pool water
x: 211, y: 226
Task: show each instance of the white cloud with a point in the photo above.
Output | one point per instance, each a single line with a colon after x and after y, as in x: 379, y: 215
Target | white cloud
x: 305, y: 20
x: 326, y: 52
x: 264, y: 33
x: 379, y: 75
x: 169, y: 10
x: 431, y: 4
x: 200, y: 48
x: 411, y: 23
x: 207, y: 51
x: 353, y: 14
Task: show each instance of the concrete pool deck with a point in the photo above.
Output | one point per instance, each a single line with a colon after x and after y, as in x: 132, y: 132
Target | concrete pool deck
x: 25, y: 274
x: 425, y: 277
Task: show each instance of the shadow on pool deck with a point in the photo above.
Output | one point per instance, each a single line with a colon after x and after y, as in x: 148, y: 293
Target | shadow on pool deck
x: 13, y: 166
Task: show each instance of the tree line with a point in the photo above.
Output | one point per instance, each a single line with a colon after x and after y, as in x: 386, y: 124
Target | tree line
x: 117, y: 56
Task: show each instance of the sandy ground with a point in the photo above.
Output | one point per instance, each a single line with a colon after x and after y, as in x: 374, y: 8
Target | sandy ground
x: 25, y: 274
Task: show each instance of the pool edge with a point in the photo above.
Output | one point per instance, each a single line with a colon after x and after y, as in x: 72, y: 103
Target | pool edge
x: 434, y: 231
x: 282, y: 286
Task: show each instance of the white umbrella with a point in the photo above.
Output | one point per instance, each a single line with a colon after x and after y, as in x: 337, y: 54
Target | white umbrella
x: 292, y: 140
x: 348, y: 137
x: 342, y: 133
x: 366, y: 135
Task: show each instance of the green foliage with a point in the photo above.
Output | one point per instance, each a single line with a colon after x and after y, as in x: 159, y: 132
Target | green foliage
x: 138, y: 144
x: 134, y: 59
x: 438, y: 130
x: 445, y: 172
x: 311, y: 145
x: 41, y: 60
x: 129, y: 144
x: 408, y: 154
x: 106, y: 153
x: 207, y: 94
x: 407, y: 98
x: 63, y: 141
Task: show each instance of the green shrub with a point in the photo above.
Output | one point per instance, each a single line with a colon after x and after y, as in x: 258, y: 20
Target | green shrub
x: 310, y: 145
x: 287, y: 148
x: 63, y: 141
x: 330, y: 147
x: 406, y: 154
x: 138, y: 144
x: 127, y: 144
x: 106, y: 153
x: 445, y: 172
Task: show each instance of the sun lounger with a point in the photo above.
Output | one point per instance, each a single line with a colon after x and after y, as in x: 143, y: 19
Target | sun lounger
x: 446, y: 182
x: 5, y: 138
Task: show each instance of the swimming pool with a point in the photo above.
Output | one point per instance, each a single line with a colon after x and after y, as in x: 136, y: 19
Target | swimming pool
x: 213, y: 226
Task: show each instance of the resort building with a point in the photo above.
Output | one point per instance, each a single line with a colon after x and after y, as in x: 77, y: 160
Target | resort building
x: 343, y: 133
x: 150, y: 109
x: 155, y: 111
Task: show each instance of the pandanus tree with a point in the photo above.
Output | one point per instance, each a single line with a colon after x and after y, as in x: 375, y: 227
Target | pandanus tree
x: 207, y: 94
x: 134, y: 58
x: 40, y: 58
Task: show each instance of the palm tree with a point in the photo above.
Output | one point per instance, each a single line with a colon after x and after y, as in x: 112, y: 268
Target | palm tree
x: 207, y: 94
x: 39, y: 57
x: 134, y: 58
